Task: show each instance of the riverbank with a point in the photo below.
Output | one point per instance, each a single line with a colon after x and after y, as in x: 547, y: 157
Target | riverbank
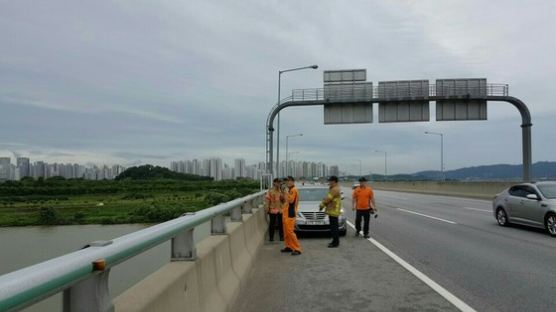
x: 64, y: 202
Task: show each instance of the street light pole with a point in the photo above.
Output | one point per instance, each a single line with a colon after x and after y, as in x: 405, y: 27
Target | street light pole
x: 385, y: 163
x: 278, y: 130
x: 441, y: 152
x: 287, y: 137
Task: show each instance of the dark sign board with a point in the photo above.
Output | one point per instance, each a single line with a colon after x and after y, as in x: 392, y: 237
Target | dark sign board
x: 348, y: 92
x: 403, y: 111
x: 403, y: 89
x: 348, y: 113
x: 466, y: 103
x: 345, y: 75
x: 402, y: 103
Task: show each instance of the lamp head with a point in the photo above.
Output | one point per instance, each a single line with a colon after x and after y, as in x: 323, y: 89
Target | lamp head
x: 315, y: 66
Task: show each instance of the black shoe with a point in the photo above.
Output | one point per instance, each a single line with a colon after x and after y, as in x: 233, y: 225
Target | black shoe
x: 333, y: 245
x: 296, y: 253
x: 287, y: 249
x: 271, y: 240
x: 366, y: 236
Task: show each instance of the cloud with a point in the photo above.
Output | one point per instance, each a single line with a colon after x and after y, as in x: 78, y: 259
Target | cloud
x: 144, y: 81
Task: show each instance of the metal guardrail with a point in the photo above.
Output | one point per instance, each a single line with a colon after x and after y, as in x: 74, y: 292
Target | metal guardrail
x: 347, y: 93
x: 83, y: 275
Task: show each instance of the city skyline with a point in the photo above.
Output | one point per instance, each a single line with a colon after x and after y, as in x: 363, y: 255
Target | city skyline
x: 23, y: 167
x: 213, y: 167
x: 218, y: 169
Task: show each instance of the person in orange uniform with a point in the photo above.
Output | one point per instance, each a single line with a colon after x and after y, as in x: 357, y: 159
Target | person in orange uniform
x: 289, y: 214
x: 363, y: 202
x: 274, y: 201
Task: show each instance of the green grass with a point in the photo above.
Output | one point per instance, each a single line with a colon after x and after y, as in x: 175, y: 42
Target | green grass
x: 110, y: 202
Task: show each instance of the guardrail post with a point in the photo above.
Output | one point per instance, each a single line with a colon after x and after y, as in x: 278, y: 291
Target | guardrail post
x: 183, y: 246
x: 246, y: 207
x: 90, y: 294
x: 218, y: 225
x: 235, y: 214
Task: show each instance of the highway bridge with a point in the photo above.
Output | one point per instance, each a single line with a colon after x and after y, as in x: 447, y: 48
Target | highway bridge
x: 426, y: 253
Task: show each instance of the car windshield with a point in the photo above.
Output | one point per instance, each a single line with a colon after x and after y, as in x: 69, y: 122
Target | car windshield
x: 312, y: 194
x: 548, y: 190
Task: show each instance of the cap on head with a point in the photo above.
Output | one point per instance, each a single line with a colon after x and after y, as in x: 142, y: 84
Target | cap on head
x: 333, y: 179
x: 362, y: 179
x: 290, y: 178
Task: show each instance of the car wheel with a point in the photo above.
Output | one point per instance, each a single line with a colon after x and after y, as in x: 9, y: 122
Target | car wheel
x: 550, y: 224
x: 502, y: 217
x: 343, y: 233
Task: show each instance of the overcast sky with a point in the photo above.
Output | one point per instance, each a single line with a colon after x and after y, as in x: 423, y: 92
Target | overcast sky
x: 155, y: 81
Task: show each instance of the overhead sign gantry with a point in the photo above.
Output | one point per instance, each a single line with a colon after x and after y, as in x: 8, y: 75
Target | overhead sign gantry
x: 348, y: 98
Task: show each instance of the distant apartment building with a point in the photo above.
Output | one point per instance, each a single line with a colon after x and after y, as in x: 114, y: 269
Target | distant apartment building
x: 5, y: 168
x: 39, y: 169
x: 334, y: 171
x: 196, y: 166
x: 227, y: 173
x: 205, y: 168
x: 24, y: 167
x: 215, y: 168
x: 239, y: 168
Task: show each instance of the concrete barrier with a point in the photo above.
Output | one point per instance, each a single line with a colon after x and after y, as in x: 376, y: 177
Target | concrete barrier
x: 482, y: 190
x: 227, y: 279
x: 240, y: 255
x: 171, y: 288
x: 253, y: 225
x: 211, y: 298
x: 211, y: 283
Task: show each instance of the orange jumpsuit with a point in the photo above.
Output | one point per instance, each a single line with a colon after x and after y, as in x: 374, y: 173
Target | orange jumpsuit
x: 289, y: 214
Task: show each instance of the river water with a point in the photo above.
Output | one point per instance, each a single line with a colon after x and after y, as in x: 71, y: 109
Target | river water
x: 24, y: 246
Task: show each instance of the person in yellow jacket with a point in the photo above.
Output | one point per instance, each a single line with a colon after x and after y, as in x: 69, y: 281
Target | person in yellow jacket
x: 289, y: 213
x: 332, y: 205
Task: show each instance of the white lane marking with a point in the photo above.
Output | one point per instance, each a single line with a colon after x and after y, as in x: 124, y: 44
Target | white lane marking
x: 427, y: 216
x: 477, y: 209
x: 458, y: 303
x: 396, y: 197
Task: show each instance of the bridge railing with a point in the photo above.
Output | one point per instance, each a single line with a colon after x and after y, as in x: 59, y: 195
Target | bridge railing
x: 83, y: 275
x: 362, y: 92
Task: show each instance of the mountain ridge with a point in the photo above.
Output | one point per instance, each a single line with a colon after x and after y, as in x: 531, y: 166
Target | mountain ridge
x: 542, y: 170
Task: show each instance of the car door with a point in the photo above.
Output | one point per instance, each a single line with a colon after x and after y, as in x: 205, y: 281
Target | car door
x: 514, y: 201
x: 533, y: 210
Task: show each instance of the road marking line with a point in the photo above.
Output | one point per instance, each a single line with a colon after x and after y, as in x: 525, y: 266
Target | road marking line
x: 427, y: 216
x: 477, y: 209
x: 458, y: 303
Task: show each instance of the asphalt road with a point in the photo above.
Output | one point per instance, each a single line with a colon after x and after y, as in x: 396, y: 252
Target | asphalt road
x: 356, y: 277
x: 457, y: 243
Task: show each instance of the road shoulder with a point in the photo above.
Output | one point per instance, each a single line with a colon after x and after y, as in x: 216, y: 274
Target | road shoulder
x: 357, y: 276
